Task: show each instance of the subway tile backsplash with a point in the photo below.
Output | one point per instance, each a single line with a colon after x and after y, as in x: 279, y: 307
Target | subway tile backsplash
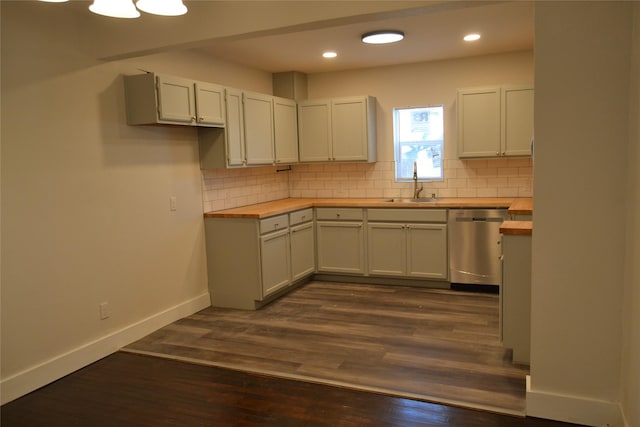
x: 230, y: 188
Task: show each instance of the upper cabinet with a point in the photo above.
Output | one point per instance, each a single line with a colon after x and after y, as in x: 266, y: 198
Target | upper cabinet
x: 285, y: 127
x: 340, y: 129
x: 260, y: 130
x: 495, y: 121
x: 157, y: 99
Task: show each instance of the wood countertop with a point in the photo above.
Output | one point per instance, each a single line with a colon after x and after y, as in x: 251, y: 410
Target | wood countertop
x: 522, y: 228
x: 278, y: 207
x: 521, y: 206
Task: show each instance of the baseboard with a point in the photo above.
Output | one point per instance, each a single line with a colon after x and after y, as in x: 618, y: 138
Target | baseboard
x: 573, y: 409
x: 40, y: 375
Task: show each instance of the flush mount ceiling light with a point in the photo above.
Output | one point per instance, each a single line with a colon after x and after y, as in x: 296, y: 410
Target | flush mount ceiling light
x: 471, y: 37
x: 329, y: 55
x: 162, y: 7
x: 54, y: 1
x: 382, y: 37
x: 115, y: 8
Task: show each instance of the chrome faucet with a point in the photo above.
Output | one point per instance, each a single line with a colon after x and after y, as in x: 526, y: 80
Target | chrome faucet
x: 416, y: 190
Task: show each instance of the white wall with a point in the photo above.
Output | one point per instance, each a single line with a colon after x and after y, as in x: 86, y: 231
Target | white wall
x: 631, y: 348
x: 581, y: 195
x: 85, y: 201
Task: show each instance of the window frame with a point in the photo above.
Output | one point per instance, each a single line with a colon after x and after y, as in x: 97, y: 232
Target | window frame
x: 397, y: 145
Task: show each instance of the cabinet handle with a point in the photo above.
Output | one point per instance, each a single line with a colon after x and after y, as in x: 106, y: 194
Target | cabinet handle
x: 201, y: 119
x: 303, y: 217
x: 504, y: 152
x: 497, y: 153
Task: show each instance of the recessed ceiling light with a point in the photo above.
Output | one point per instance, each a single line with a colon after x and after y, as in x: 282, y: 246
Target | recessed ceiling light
x: 329, y: 55
x: 382, y: 37
x: 471, y: 37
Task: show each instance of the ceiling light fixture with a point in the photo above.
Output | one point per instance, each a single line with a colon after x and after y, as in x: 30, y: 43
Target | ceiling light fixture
x: 329, y: 55
x: 162, y: 7
x: 115, y: 8
x: 54, y: 1
x: 471, y: 37
x: 382, y: 37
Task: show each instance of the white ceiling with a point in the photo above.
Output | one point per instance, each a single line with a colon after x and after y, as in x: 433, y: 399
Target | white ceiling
x: 432, y: 35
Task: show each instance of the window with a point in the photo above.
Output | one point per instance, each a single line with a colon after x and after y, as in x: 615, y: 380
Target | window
x: 418, y: 138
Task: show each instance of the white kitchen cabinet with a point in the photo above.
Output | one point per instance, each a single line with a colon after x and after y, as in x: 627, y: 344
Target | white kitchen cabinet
x: 161, y: 99
x: 340, y: 240
x: 247, y: 259
x: 495, y: 121
x: 248, y: 137
x: 303, y: 245
x: 515, y: 296
x: 340, y: 129
x: 250, y: 261
x: 285, y: 126
x: 210, y: 104
x: 258, y: 128
x: 233, y: 137
x: 407, y: 243
x: 275, y: 261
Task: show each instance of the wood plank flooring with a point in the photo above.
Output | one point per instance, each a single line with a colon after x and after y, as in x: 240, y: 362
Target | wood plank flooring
x: 129, y: 390
x: 433, y: 345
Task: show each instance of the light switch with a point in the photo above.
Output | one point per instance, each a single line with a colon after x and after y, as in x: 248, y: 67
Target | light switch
x: 172, y: 203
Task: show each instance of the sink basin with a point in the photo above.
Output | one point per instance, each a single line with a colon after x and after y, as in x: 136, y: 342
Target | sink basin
x: 418, y: 200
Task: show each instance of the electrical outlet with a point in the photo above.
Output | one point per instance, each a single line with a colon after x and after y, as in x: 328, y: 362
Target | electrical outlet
x: 172, y: 203
x: 105, y: 311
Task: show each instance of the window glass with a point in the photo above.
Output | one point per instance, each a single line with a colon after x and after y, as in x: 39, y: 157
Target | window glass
x: 419, y: 139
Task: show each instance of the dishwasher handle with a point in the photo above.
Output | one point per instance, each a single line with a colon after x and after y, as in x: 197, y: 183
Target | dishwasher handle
x: 477, y: 219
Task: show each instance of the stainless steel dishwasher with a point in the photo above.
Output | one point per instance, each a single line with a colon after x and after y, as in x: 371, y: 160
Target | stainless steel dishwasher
x: 474, y: 249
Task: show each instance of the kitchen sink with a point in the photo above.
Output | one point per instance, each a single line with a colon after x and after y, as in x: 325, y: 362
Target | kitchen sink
x: 418, y: 200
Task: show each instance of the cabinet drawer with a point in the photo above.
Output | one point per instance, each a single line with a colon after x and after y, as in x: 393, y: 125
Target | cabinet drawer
x: 274, y: 223
x: 299, y: 217
x: 408, y: 215
x: 339, y: 213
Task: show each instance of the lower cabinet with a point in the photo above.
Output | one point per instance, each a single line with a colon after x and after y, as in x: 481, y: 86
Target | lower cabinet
x: 400, y: 248
x: 275, y: 261
x: 303, y: 250
x: 340, y: 233
x: 249, y: 260
x: 515, y: 296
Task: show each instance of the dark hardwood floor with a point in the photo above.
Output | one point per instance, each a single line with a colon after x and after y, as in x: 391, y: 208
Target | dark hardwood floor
x: 127, y: 390
x: 417, y: 343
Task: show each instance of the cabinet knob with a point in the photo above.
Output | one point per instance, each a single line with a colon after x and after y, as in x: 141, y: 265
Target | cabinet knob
x: 201, y: 119
x: 337, y: 215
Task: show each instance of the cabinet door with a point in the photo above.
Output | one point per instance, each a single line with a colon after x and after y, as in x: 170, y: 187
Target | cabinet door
x: 427, y: 251
x: 314, y: 131
x: 340, y: 247
x: 234, y: 131
x: 176, y: 100
x: 479, y: 122
x: 285, y: 124
x: 517, y: 120
x: 349, y: 129
x: 258, y: 128
x: 274, y: 261
x: 303, y: 253
x: 210, y: 104
x: 387, y: 249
